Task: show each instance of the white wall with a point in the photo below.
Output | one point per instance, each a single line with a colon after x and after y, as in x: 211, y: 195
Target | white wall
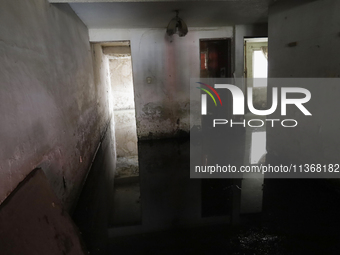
x: 162, y: 107
x: 315, y: 28
x: 52, y: 112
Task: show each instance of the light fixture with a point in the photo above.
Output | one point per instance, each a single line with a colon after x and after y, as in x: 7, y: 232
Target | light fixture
x: 177, y: 26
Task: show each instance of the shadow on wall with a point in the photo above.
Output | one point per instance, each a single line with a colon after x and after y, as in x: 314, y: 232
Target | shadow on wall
x: 91, y: 213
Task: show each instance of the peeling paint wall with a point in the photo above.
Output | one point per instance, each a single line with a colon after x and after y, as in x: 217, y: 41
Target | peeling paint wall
x: 53, y: 112
x: 168, y: 63
x: 314, y: 27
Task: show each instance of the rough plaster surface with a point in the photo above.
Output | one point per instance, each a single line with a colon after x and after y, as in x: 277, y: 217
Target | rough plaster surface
x: 121, y: 83
x: 125, y: 131
x: 127, y: 167
x: 53, y: 112
x: 123, y: 101
x: 162, y: 106
x: 37, y: 226
x: 316, y: 55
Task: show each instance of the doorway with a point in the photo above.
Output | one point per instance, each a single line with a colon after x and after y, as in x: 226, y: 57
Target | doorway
x: 126, y: 181
x: 215, y: 55
x: 256, y: 72
x: 215, y: 62
x: 256, y: 69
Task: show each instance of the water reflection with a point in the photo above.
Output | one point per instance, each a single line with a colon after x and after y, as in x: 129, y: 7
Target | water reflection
x: 179, y: 215
x: 255, y: 152
x: 168, y: 197
x: 165, y: 197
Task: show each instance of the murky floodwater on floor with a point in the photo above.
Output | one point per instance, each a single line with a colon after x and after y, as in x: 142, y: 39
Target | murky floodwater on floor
x: 160, y: 210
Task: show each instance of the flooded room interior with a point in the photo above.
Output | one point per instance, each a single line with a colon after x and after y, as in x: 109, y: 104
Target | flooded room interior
x: 109, y: 129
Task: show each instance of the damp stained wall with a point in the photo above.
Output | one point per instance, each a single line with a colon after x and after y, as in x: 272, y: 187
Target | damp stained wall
x: 312, y: 31
x: 53, y: 112
x: 162, y: 106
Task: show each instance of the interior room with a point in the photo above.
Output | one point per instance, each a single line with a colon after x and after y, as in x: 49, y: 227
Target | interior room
x: 97, y: 132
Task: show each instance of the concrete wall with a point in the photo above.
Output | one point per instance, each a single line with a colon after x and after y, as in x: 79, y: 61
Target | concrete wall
x: 126, y: 135
x: 123, y: 102
x: 162, y: 106
x: 314, y: 27
x: 94, y: 205
x: 121, y: 83
x: 53, y: 113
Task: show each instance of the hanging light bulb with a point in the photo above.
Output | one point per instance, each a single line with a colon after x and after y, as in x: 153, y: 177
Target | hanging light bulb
x: 177, y: 26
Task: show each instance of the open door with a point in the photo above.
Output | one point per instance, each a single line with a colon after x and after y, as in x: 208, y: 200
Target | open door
x: 256, y: 72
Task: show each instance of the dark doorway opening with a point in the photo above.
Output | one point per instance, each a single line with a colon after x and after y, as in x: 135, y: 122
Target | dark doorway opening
x: 215, y: 55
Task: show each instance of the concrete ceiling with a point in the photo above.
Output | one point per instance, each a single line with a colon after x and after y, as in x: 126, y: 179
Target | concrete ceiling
x: 148, y: 14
